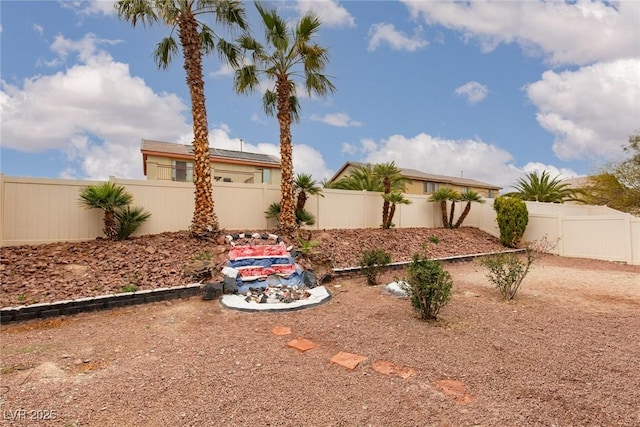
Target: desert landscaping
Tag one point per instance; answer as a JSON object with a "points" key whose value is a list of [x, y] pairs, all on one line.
{"points": [[562, 353]]}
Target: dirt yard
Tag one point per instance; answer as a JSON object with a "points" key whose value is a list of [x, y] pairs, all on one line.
{"points": [[564, 353]]}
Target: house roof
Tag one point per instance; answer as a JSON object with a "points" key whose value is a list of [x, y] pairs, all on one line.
{"points": [[422, 176], [170, 149]]}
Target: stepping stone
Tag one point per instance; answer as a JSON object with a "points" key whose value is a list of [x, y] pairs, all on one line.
{"points": [[348, 360], [386, 367], [455, 389], [301, 344], [281, 330]]}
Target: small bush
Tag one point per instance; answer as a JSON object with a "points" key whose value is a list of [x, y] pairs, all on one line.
{"points": [[129, 220], [512, 216], [434, 239], [129, 288], [305, 246], [203, 256], [508, 270], [372, 263], [428, 285]]}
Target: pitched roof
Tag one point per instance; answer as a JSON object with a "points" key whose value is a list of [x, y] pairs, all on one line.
{"points": [[422, 176], [159, 147]]}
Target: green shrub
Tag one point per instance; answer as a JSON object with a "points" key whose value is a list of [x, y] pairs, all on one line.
{"points": [[302, 216], [203, 256], [508, 270], [305, 246], [428, 285], [512, 216], [129, 288], [129, 219], [434, 239], [372, 263]]}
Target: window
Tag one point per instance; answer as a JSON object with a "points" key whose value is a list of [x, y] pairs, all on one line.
{"points": [[266, 176], [490, 194], [181, 171], [431, 187]]}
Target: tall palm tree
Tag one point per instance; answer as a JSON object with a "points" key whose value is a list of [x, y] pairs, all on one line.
{"points": [[290, 54], [542, 188], [110, 198], [196, 39], [468, 196], [442, 196], [394, 198], [392, 181], [306, 186]]}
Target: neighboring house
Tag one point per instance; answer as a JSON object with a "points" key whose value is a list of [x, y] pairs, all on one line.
{"points": [[174, 162], [426, 183]]}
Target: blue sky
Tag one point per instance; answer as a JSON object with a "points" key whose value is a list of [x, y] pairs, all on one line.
{"points": [[487, 89]]}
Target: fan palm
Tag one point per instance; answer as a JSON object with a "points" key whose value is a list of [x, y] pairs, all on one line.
{"points": [[392, 181], [542, 188], [110, 198], [290, 53], [394, 198], [442, 196], [305, 185], [196, 39], [468, 196], [359, 178]]}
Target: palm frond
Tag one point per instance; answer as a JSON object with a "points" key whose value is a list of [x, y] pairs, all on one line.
{"points": [[165, 51]]}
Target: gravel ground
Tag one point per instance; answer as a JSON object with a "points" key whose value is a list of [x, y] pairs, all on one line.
{"points": [[561, 354], [59, 271]]}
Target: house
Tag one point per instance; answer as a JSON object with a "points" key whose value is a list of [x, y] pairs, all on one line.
{"points": [[174, 162], [426, 183]]}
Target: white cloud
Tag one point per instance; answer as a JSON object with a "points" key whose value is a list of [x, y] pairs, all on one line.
{"points": [[330, 12], [397, 40], [591, 111], [554, 171], [473, 91], [580, 32], [337, 119], [473, 159], [225, 70], [38, 29], [90, 7], [95, 111], [348, 148]]}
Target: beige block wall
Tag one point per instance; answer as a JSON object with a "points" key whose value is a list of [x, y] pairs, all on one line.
{"points": [[36, 211]]}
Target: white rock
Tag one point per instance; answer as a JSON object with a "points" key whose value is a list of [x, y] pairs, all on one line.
{"points": [[397, 288]]}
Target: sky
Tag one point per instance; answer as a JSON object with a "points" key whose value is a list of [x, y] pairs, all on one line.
{"points": [[487, 90]]}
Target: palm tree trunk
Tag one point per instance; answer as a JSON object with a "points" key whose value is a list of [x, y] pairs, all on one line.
{"points": [[204, 220], [465, 212], [302, 200], [385, 205], [287, 221], [443, 212], [392, 212], [453, 208], [110, 229]]}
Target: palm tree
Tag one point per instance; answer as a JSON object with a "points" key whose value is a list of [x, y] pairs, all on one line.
{"points": [[360, 178], [196, 39], [393, 199], [306, 186], [468, 196], [110, 198], [443, 195], [542, 188], [392, 181], [291, 54]]}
